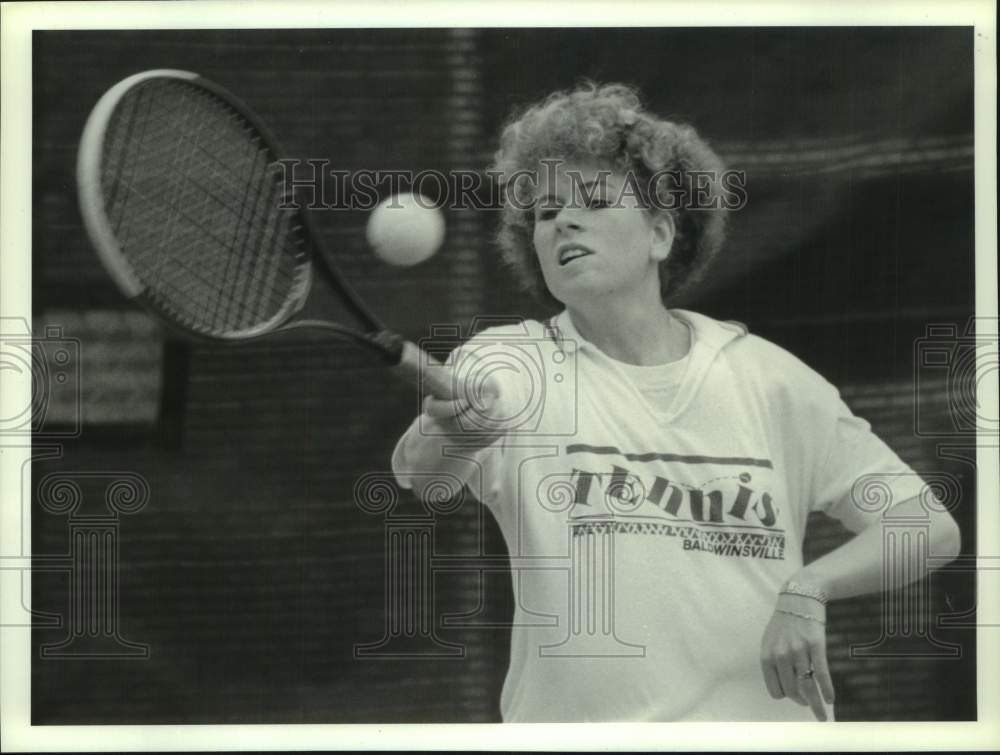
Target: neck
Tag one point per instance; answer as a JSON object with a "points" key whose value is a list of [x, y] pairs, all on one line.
{"points": [[633, 331]]}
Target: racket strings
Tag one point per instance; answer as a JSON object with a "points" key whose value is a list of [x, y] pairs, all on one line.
{"points": [[193, 197], [247, 154], [260, 231], [171, 239]]}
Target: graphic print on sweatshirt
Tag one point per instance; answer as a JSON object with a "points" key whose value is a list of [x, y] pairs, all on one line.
{"points": [[724, 506]]}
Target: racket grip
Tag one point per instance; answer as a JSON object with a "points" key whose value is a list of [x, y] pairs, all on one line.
{"points": [[419, 368]]}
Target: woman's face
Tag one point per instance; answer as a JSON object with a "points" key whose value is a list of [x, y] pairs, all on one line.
{"points": [[592, 236]]}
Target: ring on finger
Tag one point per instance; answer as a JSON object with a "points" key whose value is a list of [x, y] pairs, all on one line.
{"points": [[807, 674]]}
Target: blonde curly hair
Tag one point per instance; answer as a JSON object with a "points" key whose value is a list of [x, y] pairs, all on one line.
{"points": [[608, 122]]}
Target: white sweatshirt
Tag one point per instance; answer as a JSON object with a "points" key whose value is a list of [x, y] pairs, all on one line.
{"points": [[648, 543]]}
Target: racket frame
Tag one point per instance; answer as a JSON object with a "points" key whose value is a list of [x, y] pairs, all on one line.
{"points": [[95, 219], [405, 358]]}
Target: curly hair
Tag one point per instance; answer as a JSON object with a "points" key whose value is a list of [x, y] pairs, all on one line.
{"points": [[608, 122]]}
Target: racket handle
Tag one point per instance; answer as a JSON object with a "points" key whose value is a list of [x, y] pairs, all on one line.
{"points": [[419, 368]]}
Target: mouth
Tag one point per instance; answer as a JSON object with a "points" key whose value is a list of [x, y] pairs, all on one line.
{"points": [[570, 252]]}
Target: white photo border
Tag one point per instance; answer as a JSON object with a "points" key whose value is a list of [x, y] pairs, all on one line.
{"points": [[18, 22]]}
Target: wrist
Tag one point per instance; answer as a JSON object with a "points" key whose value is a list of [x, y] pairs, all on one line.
{"points": [[797, 605], [805, 585]]}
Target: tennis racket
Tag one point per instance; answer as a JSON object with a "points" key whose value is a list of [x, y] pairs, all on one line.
{"points": [[183, 199]]}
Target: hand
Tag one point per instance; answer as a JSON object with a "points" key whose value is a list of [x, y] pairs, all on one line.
{"points": [[471, 417], [793, 654], [436, 447]]}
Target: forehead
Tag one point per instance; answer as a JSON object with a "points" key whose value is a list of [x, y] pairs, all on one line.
{"points": [[558, 176]]}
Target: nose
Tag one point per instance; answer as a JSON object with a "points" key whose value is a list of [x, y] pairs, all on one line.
{"points": [[567, 220]]}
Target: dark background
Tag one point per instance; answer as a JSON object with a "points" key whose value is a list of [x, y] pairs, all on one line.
{"points": [[251, 573]]}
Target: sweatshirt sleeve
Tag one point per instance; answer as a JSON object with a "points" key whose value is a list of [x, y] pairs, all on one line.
{"points": [[857, 476], [835, 462]]}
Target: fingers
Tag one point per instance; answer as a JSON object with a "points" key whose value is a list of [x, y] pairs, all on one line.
{"points": [[793, 655], [474, 413], [772, 681], [464, 418], [445, 408], [796, 667], [801, 675], [810, 691], [448, 414], [815, 682], [795, 678], [453, 408], [823, 677], [786, 666]]}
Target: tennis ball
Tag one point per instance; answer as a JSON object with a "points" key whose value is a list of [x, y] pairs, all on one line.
{"points": [[405, 229]]}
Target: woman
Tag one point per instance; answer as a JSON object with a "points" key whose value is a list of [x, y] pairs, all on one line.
{"points": [[651, 468]]}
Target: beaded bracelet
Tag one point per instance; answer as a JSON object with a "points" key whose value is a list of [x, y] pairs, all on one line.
{"points": [[801, 615], [794, 588]]}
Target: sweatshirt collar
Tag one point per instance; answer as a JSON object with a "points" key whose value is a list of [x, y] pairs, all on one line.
{"points": [[713, 333], [708, 338], [567, 338]]}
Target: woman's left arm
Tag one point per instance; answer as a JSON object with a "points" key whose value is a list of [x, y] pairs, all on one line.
{"points": [[793, 653], [857, 567]]}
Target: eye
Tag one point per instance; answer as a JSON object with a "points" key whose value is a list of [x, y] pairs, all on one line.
{"points": [[546, 213]]}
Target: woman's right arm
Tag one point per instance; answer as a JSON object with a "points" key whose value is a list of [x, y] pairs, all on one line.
{"points": [[444, 443]]}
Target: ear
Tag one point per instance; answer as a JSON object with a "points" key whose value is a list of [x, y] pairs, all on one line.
{"points": [[663, 231]]}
